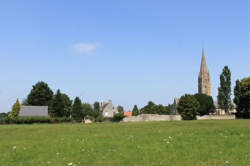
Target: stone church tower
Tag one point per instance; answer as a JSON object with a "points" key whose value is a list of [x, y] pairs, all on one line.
{"points": [[204, 85]]}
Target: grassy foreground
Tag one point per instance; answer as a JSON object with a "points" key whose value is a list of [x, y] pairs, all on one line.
{"points": [[175, 143]]}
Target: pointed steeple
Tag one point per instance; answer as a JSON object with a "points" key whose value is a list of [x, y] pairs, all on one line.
{"points": [[204, 85], [203, 68]]}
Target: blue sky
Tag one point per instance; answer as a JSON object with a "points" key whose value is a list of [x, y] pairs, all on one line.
{"points": [[129, 51]]}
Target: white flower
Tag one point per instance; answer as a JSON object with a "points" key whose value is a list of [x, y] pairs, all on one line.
{"points": [[226, 162], [168, 142], [70, 163], [57, 153], [170, 137], [14, 147], [48, 162]]}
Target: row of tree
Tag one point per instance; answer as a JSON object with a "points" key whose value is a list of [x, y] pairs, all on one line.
{"points": [[199, 104]]}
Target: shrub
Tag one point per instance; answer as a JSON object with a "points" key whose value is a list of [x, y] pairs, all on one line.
{"points": [[118, 117]]}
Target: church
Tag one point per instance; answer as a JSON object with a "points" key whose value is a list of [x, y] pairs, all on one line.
{"points": [[204, 87]]}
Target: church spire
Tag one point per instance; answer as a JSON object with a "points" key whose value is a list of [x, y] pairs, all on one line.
{"points": [[203, 68], [204, 85]]}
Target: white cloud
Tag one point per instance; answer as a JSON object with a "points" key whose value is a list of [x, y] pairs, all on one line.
{"points": [[85, 48]]}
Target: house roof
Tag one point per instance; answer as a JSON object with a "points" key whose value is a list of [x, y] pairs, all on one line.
{"points": [[34, 111], [127, 113]]}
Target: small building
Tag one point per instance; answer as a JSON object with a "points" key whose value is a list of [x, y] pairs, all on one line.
{"points": [[108, 109], [219, 111], [127, 113], [34, 111]]}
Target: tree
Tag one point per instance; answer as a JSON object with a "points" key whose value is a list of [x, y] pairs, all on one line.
{"points": [[96, 111], [120, 109], [87, 110], [206, 104], [68, 104], [224, 91], [135, 111], [77, 110], [58, 106], [15, 110], [40, 95], [188, 107], [149, 108], [242, 97]]}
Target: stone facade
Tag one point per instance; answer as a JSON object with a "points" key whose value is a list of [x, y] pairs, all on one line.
{"points": [[204, 85], [207, 117], [108, 109]]}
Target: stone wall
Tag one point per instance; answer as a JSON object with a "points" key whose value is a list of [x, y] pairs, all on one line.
{"points": [[155, 117], [151, 117], [205, 117]]}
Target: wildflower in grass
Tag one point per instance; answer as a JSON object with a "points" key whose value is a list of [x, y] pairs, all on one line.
{"points": [[168, 142], [170, 137], [70, 164], [14, 147], [57, 153], [49, 162], [226, 162]]}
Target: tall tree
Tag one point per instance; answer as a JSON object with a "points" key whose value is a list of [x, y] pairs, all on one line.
{"points": [[206, 104], [15, 110], [188, 107], [40, 95], [58, 106], [242, 97], [96, 111], [77, 110], [135, 111], [68, 104], [224, 91]]}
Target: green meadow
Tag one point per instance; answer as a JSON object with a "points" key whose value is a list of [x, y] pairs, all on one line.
{"points": [[173, 143]]}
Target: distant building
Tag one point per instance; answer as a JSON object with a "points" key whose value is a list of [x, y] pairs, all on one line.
{"points": [[219, 111], [127, 113], [108, 109], [34, 111]]}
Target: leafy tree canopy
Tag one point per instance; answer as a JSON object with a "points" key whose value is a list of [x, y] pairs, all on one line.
{"points": [[77, 110], [135, 111], [188, 107], [206, 104], [242, 97], [224, 91], [58, 105], [40, 95]]}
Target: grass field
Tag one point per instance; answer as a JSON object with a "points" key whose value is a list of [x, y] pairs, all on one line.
{"points": [[175, 143]]}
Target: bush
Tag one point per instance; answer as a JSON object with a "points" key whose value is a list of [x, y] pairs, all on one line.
{"points": [[118, 117], [100, 118]]}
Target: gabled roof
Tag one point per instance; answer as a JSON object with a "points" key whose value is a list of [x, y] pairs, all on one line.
{"points": [[34, 111]]}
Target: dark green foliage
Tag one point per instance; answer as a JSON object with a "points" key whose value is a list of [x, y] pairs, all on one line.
{"points": [[40, 95], [120, 109], [96, 113], [58, 106], [135, 111], [188, 107], [33, 119], [100, 118], [152, 108], [87, 110], [242, 97], [118, 117], [206, 104], [77, 110], [3, 115], [224, 91], [67, 104]]}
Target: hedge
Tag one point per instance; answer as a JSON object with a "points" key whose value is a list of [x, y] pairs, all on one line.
{"points": [[33, 119]]}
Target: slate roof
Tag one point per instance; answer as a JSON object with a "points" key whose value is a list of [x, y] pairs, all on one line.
{"points": [[34, 111]]}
